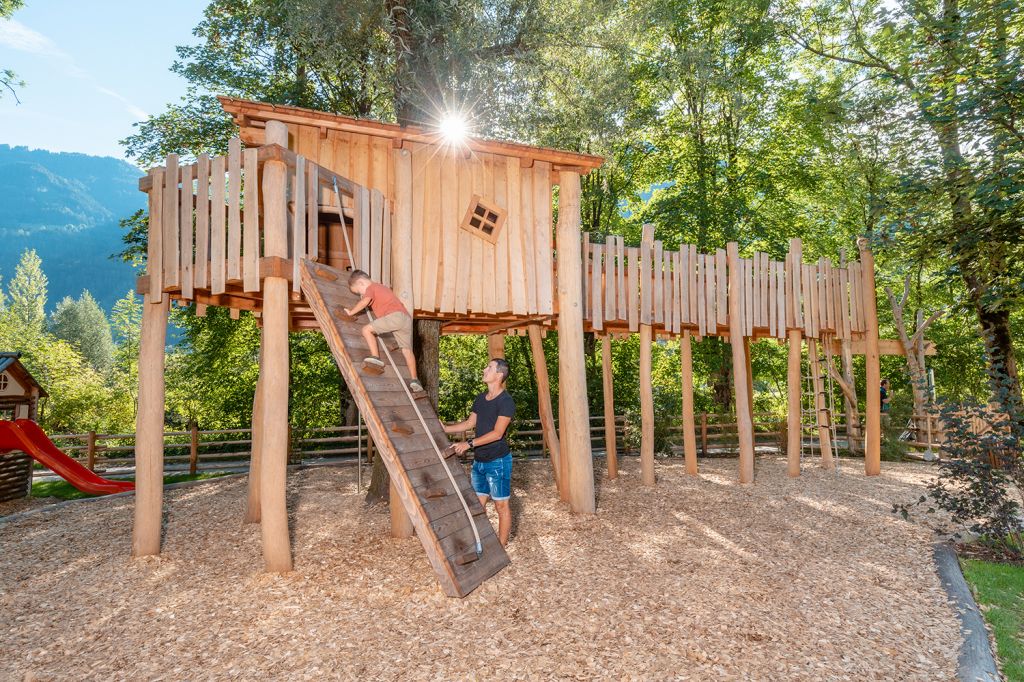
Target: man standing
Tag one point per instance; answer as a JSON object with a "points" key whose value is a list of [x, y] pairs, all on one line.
{"points": [[492, 458]]}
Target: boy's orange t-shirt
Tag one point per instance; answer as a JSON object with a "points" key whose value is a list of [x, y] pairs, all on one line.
{"points": [[383, 301]]}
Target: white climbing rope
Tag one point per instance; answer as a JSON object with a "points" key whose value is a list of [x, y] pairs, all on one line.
{"points": [[408, 393]]}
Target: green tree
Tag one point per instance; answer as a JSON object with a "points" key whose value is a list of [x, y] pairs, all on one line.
{"points": [[27, 291], [82, 323], [8, 79], [126, 318]]}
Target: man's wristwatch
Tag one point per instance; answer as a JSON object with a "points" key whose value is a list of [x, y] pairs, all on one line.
{"points": [[470, 441]]}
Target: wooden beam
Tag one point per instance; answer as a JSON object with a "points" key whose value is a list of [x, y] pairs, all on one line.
{"points": [[149, 429], [547, 415], [571, 366], [873, 406], [793, 406], [647, 476], [274, 372], [689, 427], [745, 427], [608, 383]]}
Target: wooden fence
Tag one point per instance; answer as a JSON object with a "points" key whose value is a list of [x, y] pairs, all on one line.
{"points": [[212, 450]]}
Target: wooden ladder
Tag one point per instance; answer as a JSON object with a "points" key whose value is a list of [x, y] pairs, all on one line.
{"points": [[407, 450]]}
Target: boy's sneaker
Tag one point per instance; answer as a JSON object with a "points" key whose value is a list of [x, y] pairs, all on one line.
{"points": [[415, 386], [373, 365]]}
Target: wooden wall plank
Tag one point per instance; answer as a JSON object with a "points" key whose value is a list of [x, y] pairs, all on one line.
{"points": [[451, 216], [543, 236], [796, 250], [620, 296], [633, 287], [251, 222], [765, 277], [608, 283], [201, 273], [646, 274], [380, 164], [377, 234], [597, 288], [170, 222], [298, 239], [502, 298], [710, 295], [185, 223], [670, 289], [657, 283], [420, 155], [234, 251], [432, 232], [312, 211], [755, 298], [691, 276], [585, 284], [750, 303], [464, 264], [218, 231], [529, 233], [517, 271], [702, 310], [359, 159], [154, 242], [721, 288]]}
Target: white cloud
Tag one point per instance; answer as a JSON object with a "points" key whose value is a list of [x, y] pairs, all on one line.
{"points": [[132, 109], [18, 36]]}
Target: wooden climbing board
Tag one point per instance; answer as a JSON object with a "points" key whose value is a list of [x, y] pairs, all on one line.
{"points": [[418, 473]]}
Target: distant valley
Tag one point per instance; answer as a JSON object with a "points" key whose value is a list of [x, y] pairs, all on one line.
{"points": [[67, 206]]}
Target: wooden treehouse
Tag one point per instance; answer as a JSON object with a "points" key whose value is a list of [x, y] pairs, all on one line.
{"points": [[464, 233]]}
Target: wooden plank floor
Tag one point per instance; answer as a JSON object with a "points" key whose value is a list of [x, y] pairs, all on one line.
{"points": [[406, 447]]}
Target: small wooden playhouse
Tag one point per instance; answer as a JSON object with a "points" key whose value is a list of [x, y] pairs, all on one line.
{"points": [[464, 233]]}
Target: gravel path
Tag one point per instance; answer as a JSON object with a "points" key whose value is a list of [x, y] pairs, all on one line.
{"points": [[807, 579]]}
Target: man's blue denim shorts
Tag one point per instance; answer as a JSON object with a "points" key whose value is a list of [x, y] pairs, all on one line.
{"points": [[493, 478]]}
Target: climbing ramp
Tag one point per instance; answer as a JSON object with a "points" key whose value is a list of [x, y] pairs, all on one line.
{"points": [[449, 520]]}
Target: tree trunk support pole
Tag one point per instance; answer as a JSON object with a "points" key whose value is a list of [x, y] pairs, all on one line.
{"points": [[873, 400], [274, 370], [572, 377]]}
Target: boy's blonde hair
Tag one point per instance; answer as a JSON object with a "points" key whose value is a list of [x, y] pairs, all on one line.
{"points": [[357, 275]]}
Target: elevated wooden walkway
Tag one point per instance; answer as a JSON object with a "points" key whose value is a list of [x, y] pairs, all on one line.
{"points": [[422, 477]]}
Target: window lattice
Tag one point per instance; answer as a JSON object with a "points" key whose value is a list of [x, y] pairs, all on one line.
{"points": [[483, 219]]}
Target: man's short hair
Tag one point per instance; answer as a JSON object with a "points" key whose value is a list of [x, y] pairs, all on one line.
{"points": [[501, 366], [357, 275]]}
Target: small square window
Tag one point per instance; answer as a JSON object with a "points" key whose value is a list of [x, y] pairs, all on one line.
{"points": [[484, 219]]}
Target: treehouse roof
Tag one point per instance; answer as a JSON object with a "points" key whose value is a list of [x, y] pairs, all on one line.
{"points": [[11, 362], [251, 117]]}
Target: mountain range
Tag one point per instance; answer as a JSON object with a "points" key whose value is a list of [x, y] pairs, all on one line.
{"points": [[67, 207]]}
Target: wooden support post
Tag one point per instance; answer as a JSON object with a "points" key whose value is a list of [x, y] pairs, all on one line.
{"points": [[274, 370], [149, 429], [608, 383], [193, 449], [750, 376], [793, 421], [744, 421], [572, 376], [90, 450], [253, 504], [689, 433], [822, 417], [646, 339], [873, 418], [401, 230], [704, 434], [496, 345], [547, 415], [401, 524]]}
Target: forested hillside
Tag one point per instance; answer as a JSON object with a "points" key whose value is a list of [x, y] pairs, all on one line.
{"points": [[68, 207]]}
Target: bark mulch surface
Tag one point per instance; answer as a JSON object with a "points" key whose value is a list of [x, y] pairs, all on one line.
{"points": [[697, 578]]}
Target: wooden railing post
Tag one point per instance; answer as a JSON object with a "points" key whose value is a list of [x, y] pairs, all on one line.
{"points": [[704, 434], [193, 450], [90, 450]]}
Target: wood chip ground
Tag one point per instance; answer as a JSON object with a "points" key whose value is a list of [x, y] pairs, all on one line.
{"points": [[696, 579]]}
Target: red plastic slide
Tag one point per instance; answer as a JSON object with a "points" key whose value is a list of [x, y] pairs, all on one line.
{"points": [[25, 435]]}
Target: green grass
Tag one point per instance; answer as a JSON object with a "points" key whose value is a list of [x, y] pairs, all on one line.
{"points": [[65, 491], [999, 589]]}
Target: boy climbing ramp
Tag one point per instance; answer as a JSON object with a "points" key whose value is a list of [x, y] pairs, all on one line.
{"points": [[391, 316]]}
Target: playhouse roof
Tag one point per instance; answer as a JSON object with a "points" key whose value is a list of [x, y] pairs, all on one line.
{"points": [[251, 118], [11, 362]]}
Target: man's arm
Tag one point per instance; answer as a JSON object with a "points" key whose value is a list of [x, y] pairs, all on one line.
{"points": [[358, 307], [496, 434], [461, 426]]}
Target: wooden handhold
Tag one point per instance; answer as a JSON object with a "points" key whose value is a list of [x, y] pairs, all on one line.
{"points": [[467, 558], [401, 429], [339, 313], [434, 493], [326, 274], [372, 370]]}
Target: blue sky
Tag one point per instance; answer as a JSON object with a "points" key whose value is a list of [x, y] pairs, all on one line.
{"points": [[91, 70]]}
